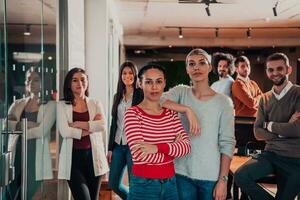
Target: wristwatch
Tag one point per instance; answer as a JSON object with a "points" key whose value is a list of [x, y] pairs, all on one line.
{"points": [[265, 125], [223, 178]]}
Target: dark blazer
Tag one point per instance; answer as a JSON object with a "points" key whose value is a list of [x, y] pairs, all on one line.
{"points": [[137, 98]]}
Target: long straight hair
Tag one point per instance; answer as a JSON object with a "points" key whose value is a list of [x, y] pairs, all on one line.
{"points": [[68, 94], [121, 86]]}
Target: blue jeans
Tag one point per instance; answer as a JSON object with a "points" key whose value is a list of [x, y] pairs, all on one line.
{"points": [[121, 157], [152, 189], [193, 189]]}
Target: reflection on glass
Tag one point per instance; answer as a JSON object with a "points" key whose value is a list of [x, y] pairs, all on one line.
{"points": [[40, 114], [2, 92]]}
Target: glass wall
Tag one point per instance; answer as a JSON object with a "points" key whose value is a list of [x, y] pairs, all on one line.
{"points": [[28, 91]]}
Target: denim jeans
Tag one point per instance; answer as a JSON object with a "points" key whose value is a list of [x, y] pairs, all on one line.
{"points": [[152, 189], [193, 189], [121, 157]]}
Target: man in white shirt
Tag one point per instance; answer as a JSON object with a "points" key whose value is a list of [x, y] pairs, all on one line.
{"points": [[224, 67]]}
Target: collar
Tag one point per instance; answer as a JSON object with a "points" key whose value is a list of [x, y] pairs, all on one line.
{"points": [[283, 92], [243, 79]]}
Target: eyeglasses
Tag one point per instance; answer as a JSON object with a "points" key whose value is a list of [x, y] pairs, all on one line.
{"points": [[278, 69], [193, 64]]}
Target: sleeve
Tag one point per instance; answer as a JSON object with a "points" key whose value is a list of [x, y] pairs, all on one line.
{"points": [[241, 92], [288, 129], [173, 94], [98, 125], [259, 132], [179, 148], [133, 134], [63, 124], [12, 120], [226, 129], [48, 119]]}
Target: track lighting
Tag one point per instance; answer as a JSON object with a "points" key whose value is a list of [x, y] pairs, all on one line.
{"points": [[180, 33], [248, 32], [207, 10], [217, 32], [275, 9], [27, 30]]}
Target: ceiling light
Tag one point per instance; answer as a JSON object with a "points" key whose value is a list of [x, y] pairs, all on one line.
{"points": [[207, 10], [180, 33], [27, 30], [248, 32], [217, 32]]}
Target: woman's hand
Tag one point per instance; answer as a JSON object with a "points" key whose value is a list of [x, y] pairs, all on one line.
{"points": [[193, 122], [220, 190], [178, 137], [144, 148], [109, 154], [85, 133], [80, 124], [97, 117]]}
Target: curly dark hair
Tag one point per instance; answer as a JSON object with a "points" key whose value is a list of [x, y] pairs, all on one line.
{"points": [[217, 57]]}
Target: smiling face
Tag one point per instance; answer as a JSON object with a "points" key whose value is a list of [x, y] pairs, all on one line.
{"points": [[153, 84], [127, 76], [277, 71], [198, 67], [79, 83]]}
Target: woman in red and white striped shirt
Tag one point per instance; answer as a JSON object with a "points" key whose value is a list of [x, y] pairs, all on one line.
{"points": [[155, 137]]}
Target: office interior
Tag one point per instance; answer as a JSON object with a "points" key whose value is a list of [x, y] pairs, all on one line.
{"points": [[98, 35]]}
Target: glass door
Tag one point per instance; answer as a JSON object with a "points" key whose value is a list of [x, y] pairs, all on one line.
{"points": [[28, 99]]}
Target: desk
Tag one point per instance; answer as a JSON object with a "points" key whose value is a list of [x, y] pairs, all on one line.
{"points": [[105, 192], [237, 162]]}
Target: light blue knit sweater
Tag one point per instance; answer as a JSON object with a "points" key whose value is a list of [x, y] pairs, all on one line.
{"points": [[216, 119]]}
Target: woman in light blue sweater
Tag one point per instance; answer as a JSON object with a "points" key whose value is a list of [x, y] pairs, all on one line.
{"points": [[203, 174]]}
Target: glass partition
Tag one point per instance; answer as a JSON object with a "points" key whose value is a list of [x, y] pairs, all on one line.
{"points": [[28, 91]]}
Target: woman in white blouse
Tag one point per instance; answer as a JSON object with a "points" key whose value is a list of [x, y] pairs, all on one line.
{"points": [[81, 123]]}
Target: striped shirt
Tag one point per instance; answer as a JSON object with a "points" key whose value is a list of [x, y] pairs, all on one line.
{"points": [[160, 130]]}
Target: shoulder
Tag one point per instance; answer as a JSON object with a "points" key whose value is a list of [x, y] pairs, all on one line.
{"points": [[21, 101], [237, 82], [224, 100], [266, 97], [132, 110], [51, 104], [63, 104], [296, 88], [253, 83], [180, 88], [236, 86]]}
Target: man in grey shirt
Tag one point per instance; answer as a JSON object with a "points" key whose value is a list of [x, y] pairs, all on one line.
{"points": [[278, 124], [223, 66]]}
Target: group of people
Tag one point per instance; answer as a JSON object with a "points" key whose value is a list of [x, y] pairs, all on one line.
{"points": [[176, 144]]}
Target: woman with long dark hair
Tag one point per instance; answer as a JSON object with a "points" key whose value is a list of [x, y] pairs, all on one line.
{"points": [[155, 137], [118, 152], [81, 123]]}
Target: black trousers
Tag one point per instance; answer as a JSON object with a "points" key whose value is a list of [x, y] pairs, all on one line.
{"points": [[286, 169], [83, 183]]}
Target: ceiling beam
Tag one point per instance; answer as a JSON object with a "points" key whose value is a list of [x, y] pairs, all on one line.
{"points": [[137, 40]]}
